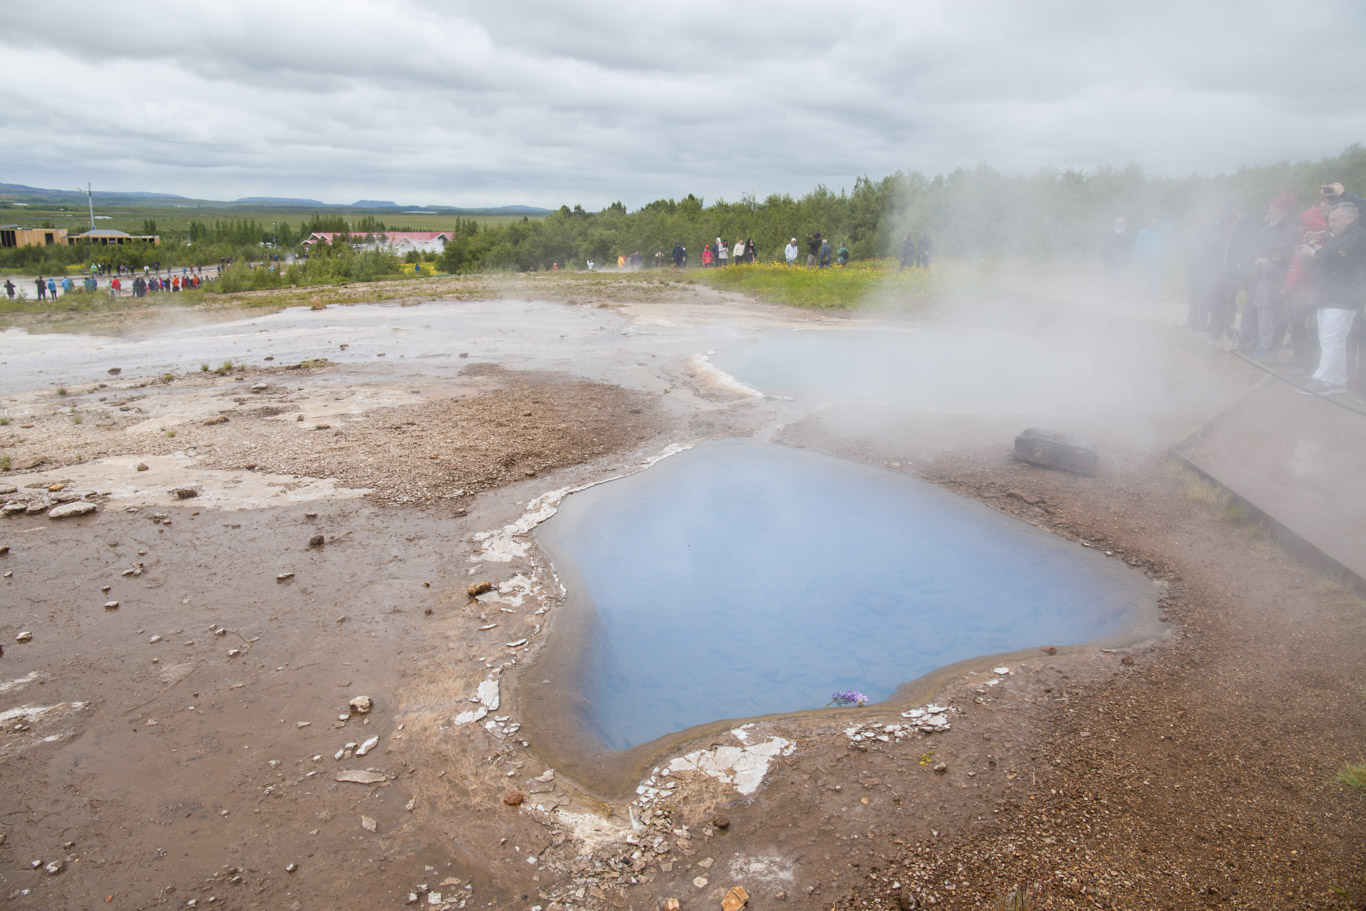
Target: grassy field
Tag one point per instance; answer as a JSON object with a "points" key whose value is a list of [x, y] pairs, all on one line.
{"points": [[862, 286], [871, 283]]}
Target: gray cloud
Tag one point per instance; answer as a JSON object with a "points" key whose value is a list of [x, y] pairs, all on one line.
{"points": [[533, 102]]}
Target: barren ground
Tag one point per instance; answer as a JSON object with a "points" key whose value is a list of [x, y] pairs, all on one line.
{"points": [[184, 746]]}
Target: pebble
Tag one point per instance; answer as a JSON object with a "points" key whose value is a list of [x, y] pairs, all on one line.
{"points": [[111, 605], [367, 746], [25, 636], [361, 705], [368, 824], [284, 577]]}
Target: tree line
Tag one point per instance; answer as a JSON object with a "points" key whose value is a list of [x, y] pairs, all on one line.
{"points": [[975, 212]]}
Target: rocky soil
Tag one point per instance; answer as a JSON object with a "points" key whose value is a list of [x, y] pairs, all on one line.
{"points": [[265, 672]]}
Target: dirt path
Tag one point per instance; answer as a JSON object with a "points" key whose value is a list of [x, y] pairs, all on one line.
{"points": [[195, 742]]}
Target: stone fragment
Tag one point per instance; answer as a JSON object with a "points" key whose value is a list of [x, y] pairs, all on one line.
{"points": [[700, 882], [67, 510], [720, 821], [220, 419], [317, 541], [368, 823], [361, 705], [291, 867], [25, 636], [1049, 650], [115, 371], [940, 768], [185, 493], [514, 798], [671, 904], [735, 899], [367, 746], [142, 466], [479, 588], [284, 577], [111, 605], [362, 776], [55, 867]]}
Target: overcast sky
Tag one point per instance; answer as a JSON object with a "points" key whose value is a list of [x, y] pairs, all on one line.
{"points": [[545, 103]]}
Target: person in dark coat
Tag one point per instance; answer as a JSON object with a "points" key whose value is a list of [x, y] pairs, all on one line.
{"points": [[1219, 255], [1338, 270], [1265, 318]]}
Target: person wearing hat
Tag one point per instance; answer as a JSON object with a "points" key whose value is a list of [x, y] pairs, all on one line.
{"points": [[790, 252], [1338, 270], [1268, 260]]}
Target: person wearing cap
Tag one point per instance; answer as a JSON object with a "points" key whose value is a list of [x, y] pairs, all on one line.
{"points": [[678, 254], [1334, 193], [1268, 260], [1338, 269], [790, 252]]}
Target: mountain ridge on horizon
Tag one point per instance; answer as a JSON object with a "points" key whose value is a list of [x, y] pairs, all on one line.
{"points": [[14, 192]]}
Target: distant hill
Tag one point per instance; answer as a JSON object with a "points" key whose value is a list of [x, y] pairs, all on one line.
{"points": [[15, 192], [277, 201]]}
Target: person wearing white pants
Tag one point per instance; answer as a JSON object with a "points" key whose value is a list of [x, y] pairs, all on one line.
{"points": [[1334, 327], [1338, 269]]}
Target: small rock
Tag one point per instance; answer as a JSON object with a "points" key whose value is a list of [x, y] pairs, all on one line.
{"points": [[940, 768], [55, 867], [671, 904], [479, 588], [142, 466], [368, 823], [259, 387], [514, 798], [547, 776], [720, 822], [361, 776], [220, 419], [25, 636], [4, 550], [700, 882], [1049, 649], [234, 652], [291, 867], [67, 510], [185, 493], [735, 899], [367, 746], [111, 605], [284, 577], [115, 371], [317, 541], [361, 705], [54, 488]]}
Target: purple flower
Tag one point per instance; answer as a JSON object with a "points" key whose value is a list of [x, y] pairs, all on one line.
{"points": [[850, 697]]}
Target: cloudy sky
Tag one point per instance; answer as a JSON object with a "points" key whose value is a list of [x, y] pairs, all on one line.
{"points": [[543, 103]]}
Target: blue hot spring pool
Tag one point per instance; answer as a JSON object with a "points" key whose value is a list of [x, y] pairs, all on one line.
{"points": [[741, 578]]}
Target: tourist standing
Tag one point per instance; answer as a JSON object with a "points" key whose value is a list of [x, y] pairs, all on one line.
{"points": [[790, 252], [1338, 269]]}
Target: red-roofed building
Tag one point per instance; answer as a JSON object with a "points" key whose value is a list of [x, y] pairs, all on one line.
{"points": [[394, 241]]}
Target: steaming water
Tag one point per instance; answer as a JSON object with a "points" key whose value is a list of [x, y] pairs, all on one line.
{"points": [[741, 579]]}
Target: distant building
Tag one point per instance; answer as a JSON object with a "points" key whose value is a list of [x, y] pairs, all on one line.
{"points": [[105, 237], [393, 241], [15, 236]]}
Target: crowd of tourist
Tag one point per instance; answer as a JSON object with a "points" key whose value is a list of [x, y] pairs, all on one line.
{"points": [[1284, 287], [115, 280]]}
